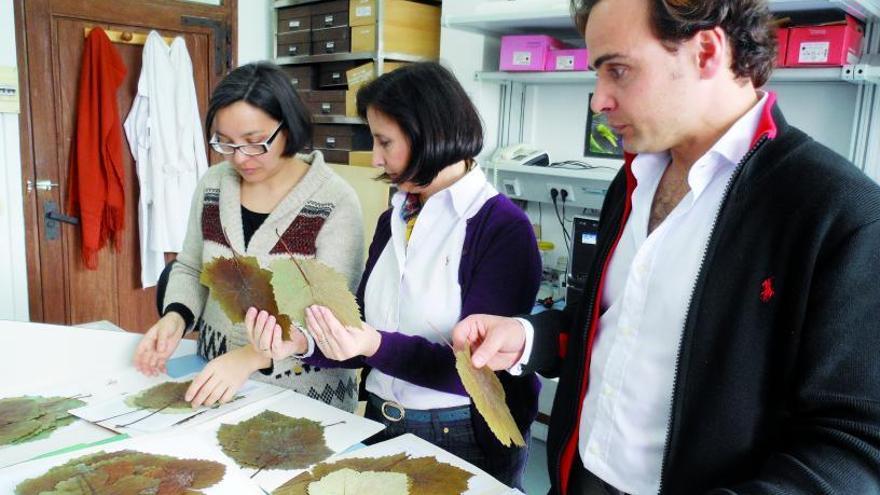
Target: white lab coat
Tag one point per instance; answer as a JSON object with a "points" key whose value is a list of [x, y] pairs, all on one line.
{"points": [[164, 132]]}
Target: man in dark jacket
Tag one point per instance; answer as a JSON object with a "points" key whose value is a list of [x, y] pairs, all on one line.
{"points": [[727, 341]]}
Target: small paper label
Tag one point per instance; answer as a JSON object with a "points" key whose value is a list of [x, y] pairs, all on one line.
{"points": [[565, 62], [814, 52], [522, 58], [363, 11], [293, 24]]}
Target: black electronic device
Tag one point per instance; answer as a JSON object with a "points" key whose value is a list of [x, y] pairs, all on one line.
{"points": [[584, 231]]}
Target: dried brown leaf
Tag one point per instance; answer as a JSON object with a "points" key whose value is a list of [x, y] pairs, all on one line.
{"points": [[167, 396], [271, 440], [427, 474], [489, 398], [30, 417], [300, 283], [239, 283]]}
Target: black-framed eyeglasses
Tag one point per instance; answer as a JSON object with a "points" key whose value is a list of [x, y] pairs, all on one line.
{"points": [[249, 149]]}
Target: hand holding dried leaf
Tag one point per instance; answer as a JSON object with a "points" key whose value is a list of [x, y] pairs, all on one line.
{"points": [[271, 440], [489, 398], [239, 283], [300, 283], [126, 472]]}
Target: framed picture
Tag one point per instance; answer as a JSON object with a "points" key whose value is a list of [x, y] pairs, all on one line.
{"points": [[601, 140]]}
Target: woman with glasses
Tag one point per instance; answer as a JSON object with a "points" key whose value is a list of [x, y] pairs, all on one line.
{"points": [[264, 201], [449, 247]]}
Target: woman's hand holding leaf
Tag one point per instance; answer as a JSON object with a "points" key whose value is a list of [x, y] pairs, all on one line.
{"points": [[264, 334], [338, 341]]}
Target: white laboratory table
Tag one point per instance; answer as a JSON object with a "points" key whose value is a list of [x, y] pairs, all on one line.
{"points": [[34, 356]]}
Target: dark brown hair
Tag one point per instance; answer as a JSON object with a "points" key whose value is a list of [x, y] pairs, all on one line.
{"points": [[433, 111], [747, 23]]}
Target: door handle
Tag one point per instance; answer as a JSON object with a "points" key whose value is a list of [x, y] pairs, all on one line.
{"points": [[53, 219]]}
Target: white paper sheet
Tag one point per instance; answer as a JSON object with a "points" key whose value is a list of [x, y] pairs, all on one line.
{"points": [[189, 445], [480, 484], [338, 437], [118, 416]]}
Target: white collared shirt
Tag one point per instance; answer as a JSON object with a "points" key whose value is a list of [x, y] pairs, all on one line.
{"points": [[414, 286], [645, 301]]}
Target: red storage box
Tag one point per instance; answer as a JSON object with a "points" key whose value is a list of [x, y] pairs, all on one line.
{"points": [[526, 52], [823, 46]]}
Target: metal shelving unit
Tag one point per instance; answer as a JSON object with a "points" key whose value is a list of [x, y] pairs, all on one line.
{"points": [[341, 57], [851, 73]]}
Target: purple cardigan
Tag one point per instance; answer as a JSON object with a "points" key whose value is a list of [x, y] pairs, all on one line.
{"points": [[499, 274]]}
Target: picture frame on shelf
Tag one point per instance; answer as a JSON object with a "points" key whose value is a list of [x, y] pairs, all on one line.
{"points": [[601, 140]]}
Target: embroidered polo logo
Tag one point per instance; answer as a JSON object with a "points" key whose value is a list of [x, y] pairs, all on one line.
{"points": [[767, 290]]}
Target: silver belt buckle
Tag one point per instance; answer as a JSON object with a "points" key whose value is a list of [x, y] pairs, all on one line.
{"points": [[394, 405]]}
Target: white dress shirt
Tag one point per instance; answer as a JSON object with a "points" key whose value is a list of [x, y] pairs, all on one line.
{"points": [[644, 305], [414, 286]]}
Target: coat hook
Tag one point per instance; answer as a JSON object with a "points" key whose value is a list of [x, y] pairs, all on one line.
{"points": [[126, 36]]}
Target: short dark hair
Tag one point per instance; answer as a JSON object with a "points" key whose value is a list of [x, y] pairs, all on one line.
{"points": [[433, 111], [748, 24], [265, 86]]}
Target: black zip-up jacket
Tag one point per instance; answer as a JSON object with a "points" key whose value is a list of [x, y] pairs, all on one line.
{"points": [[777, 387]]}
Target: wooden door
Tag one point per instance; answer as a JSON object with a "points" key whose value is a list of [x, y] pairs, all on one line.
{"points": [[50, 44]]}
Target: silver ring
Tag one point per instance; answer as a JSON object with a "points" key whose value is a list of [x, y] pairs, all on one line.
{"points": [[265, 350]]}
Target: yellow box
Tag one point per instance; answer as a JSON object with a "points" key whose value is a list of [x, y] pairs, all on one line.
{"points": [[361, 158], [400, 12], [397, 39], [362, 74], [351, 103]]}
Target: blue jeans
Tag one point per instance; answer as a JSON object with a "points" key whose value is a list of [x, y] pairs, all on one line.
{"points": [[457, 438]]}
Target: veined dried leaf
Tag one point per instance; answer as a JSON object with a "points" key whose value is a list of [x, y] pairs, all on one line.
{"points": [[426, 474], [239, 283], [126, 472], [488, 395], [30, 417], [301, 283], [167, 396], [348, 481], [271, 440]]}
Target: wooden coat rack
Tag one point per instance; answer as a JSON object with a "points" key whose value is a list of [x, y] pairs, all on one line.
{"points": [[127, 37]]}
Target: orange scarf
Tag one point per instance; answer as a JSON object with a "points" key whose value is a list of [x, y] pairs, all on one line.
{"points": [[96, 176]]}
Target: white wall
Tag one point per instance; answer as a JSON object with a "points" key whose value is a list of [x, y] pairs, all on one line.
{"points": [[254, 43], [13, 261], [254, 30]]}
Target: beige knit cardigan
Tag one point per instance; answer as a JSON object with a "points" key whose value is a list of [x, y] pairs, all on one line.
{"points": [[319, 218]]}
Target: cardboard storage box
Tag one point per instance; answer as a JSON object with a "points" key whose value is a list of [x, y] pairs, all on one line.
{"points": [[334, 74], [326, 102], [294, 19], [343, 137], [825, 46], [397, 39], [294, 44], [400, 12], [361, 158], [330, 14], [362, 74], [300, 76]]}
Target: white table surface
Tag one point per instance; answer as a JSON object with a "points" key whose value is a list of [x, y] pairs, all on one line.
{"points": [[38, 355]]}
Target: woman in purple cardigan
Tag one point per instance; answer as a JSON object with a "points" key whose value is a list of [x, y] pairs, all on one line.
{"points": [[449, 247]]}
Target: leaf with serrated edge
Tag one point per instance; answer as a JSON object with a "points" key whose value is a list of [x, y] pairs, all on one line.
{"points": [[167, 396], [426, 474], [271, 440], [27, 418], [240, 283], [126, 472], [488, 395], [348, 481], [304, 282]]}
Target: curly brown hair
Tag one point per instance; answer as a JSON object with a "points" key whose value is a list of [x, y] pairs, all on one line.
{"points": [[748, 24]]}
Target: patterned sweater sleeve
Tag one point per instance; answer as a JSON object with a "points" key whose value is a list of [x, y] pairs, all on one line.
{"points": [[183, 283]]}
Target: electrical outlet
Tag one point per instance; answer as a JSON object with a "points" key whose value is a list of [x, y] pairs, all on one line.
{"points": [[560, 187]]}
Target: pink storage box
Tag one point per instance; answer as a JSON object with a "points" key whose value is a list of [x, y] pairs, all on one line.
{"points": [[781, 46], [527, 52], [833, 45], [567, 59]]}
